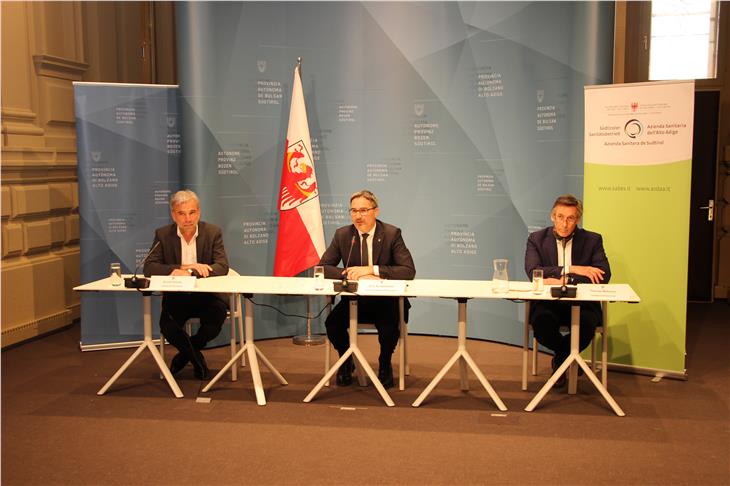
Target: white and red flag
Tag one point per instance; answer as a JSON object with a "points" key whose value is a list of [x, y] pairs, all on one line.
{"points": [[300, 241]]}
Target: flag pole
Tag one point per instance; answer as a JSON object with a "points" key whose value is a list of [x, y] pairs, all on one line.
{"points": [[308, 339]]}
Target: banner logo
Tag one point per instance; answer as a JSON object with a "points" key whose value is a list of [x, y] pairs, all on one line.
{"points": [[540, 95], [633, 128], [261, 65], [298, 182], [418, 109], [96, 156]]}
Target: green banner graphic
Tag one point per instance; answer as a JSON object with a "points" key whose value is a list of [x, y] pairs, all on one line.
{"points": [[637, 191]]}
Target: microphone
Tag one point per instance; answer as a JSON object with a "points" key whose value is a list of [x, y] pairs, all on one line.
{"points": [[564, 290], [135, 282], [344, 285]]}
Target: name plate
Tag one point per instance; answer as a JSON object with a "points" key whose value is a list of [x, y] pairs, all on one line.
{"points": [[366, 286], [172, 282]]}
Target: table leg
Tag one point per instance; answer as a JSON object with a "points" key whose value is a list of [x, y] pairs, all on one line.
{"points": [[465, 359], [573, 361], [253, 353], [148, 344], [357, 354]]}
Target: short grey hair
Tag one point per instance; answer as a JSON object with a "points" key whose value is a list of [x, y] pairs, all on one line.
{"points": [[569, 200], [181, 197], [367, 195]]}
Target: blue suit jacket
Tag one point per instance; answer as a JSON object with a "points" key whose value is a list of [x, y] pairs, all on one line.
{"points": [[542, 252]]}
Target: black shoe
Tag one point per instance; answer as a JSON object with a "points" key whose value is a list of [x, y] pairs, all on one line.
{"points": [[385, 375], [178, 363], [344, 374], [200, 367], [560, 383]]}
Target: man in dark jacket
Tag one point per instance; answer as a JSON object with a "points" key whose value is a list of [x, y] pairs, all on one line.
{"points": [[368, 248], [586, 262], [189, 247]]}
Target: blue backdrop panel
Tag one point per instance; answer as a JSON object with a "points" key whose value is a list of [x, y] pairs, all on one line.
{"points": [[466, 119], [129, 147]]}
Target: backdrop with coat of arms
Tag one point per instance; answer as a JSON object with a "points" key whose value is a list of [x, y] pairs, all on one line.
{"points": [[465, 119]]}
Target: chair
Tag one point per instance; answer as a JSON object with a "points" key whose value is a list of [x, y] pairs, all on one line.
{"points": [[602, 330], [402, 346], [235, 314]]}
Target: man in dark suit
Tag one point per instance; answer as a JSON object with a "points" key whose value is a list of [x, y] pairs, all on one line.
{"points": [[368, 248], [586, 262], [189, 247]]}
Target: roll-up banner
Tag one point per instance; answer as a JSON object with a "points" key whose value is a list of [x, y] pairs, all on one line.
{"points": [[638, 165], [129, 148]]}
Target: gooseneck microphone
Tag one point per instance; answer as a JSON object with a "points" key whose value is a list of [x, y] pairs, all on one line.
{"points": [[564, 290], [135, 282], [345, 285]]}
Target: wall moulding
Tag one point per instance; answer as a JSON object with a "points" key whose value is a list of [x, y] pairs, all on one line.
{"points": [[12, 128], [37, 327], [59, 67], [17, 113]]}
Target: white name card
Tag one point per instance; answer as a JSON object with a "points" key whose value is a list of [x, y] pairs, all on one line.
{"points": [[172, 282], [367, 286]]}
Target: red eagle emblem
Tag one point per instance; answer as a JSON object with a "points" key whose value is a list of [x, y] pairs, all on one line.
{"points": [[298, 181]]}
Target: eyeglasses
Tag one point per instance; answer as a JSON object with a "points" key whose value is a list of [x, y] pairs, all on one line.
{"points": [[563, 219], [361, 211]]}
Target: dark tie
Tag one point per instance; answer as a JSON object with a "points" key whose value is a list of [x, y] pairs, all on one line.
{"points": [[364, 260]]}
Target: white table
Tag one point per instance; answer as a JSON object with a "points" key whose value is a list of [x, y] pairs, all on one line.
{"points": [[459, 290], [585, 293], [463, 290], [231, 285], [105, 285]]}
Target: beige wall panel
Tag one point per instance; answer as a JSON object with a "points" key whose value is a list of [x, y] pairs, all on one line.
{"points": [[72, 228], [58, 230], [48, 292], [12, 239], [60, 196], [57, 98], [17, 92], [58, 29], [71, 276], [31, 199], [26, 157], [36, 236], [6, 204], [74, 196], [17, 295]]}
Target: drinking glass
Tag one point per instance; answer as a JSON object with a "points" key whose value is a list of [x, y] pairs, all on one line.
{"points": [[501, 276], [537, 284], [318, 277], [115, 273]]}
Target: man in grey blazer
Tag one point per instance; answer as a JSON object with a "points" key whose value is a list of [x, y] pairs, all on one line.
{"points": [[368, 248], [189, 247], [586, 262]]}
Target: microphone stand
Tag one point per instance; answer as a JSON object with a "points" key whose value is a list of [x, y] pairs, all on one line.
{"points": [[139, 283], [344, 285], [564, 290]]}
